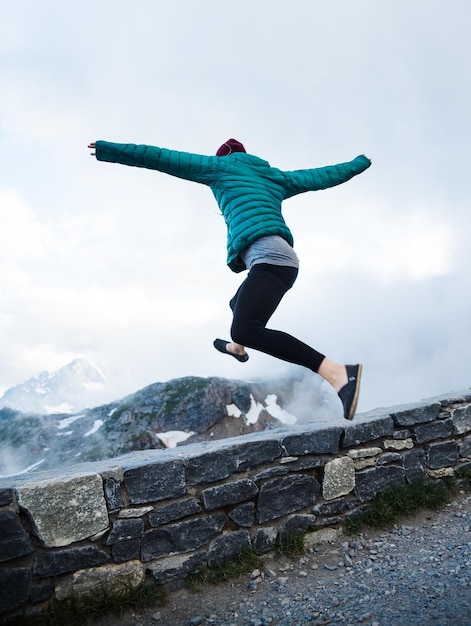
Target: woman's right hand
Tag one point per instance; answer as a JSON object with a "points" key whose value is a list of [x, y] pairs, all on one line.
{"points": [[91, 145]]}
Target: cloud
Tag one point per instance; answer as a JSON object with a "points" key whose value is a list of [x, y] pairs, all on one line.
{"points": [[69, 289], [127, 266], [23, 236], [362, 237]]}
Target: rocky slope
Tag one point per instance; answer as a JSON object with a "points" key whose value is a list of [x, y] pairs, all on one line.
{"points": [[160, 415]]}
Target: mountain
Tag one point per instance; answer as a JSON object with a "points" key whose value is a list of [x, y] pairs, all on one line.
{"points": [[75, 386], [176, 412]]}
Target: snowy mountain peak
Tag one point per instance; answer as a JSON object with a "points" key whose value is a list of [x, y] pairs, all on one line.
{"points": [[75, 386]]}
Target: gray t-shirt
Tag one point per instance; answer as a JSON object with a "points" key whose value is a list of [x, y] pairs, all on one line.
{"points": [[271, 249]]}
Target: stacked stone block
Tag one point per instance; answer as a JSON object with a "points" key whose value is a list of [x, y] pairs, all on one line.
{"points": [[167, 514]]}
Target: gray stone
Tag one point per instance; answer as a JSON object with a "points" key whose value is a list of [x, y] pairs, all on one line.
{"points": [[461, 417], [328, 521], [14, 541], [324, 535], [443, 472], [454, 397], [40, 593], [209, 467], [243, 515], [333, 507], [65, 510], [171, 512], [181, 537], [155, 481], [112, 577], [306, 463], [297, 525], [255, 453], [411, 414], [442, 454], [359, 432], [125, 529], [323, 441], [362, 463], [464, 447], [364, 453], [57, 562], [179, 566], [339, 478], [6, 496], [389, 457], [371, 481], [230, 493], [281, 496], [126, 550], [112, 489], [228, 547], [404, 433], [414, 465], [440, 429], [398, 444], [264, 540], [14, 587], [270, 472], [138, 511]]}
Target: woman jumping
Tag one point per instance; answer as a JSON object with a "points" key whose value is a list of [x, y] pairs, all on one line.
{"points": [[249, 193]]}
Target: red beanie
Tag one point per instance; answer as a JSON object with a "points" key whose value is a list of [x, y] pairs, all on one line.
{"points": [[229, 146]]}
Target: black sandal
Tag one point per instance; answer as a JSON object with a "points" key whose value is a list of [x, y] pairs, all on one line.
{"points": [[350, 392], [221, 346]]}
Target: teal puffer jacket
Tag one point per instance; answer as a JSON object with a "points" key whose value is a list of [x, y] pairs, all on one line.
{"points": [[248, 190]]}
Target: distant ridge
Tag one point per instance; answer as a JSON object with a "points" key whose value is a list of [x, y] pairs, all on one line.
{"points": [[75, 386]]}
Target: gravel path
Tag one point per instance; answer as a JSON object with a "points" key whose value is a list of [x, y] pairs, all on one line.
{"points": [[418, 573]]}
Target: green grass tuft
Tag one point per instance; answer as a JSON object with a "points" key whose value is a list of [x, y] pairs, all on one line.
{"points": [[387, 507], [78, 610], [290, 544], [245, 563], [463, 476]]}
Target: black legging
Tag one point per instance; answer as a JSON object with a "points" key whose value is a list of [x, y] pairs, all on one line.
{"points": [[255, 302]]}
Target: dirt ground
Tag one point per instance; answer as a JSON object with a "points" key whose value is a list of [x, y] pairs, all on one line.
{"points": [[323, 569]]}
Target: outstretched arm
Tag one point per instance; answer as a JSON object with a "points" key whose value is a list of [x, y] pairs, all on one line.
{"points": [[195, 167], [300, 181]]}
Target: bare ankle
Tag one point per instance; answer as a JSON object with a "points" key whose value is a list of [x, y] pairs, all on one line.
{"points": [[333, 373], [235, 348]]}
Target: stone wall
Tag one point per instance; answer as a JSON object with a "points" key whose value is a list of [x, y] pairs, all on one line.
{"points": [[166, 514]]}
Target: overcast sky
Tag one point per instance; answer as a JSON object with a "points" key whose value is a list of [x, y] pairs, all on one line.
{"points": [[126, 267]]}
